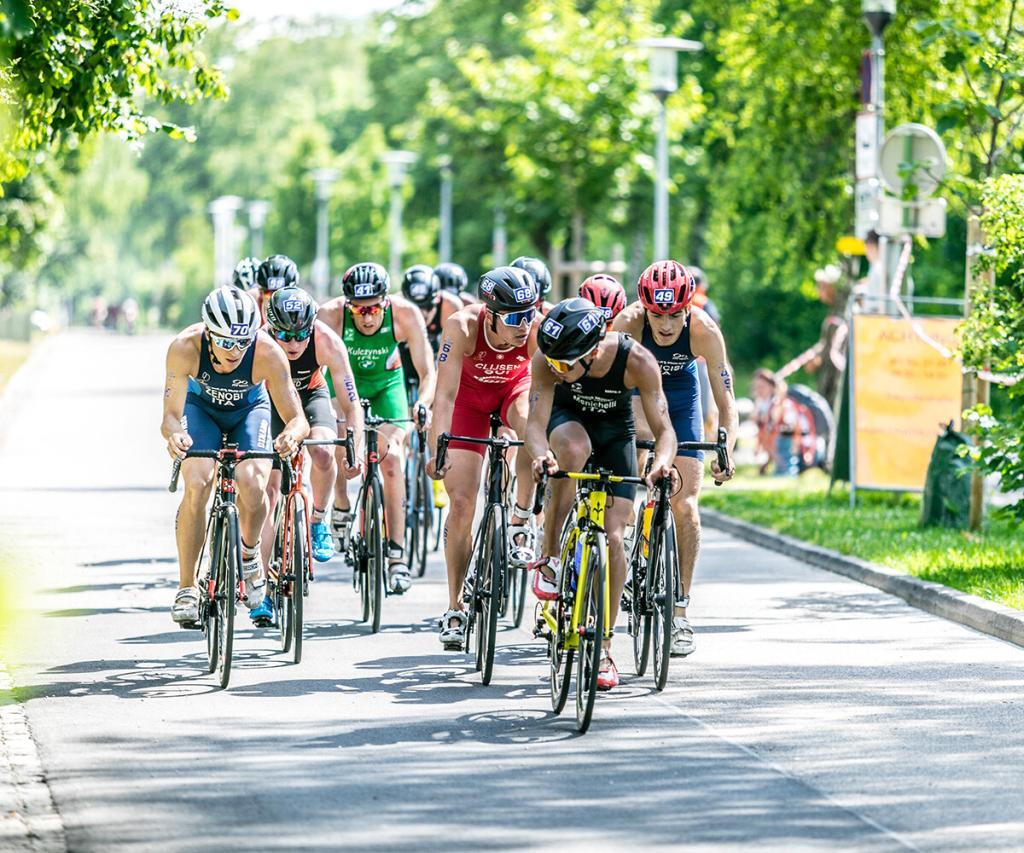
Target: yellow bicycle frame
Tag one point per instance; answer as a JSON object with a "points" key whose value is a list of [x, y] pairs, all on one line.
{"points": [[590, 505]]}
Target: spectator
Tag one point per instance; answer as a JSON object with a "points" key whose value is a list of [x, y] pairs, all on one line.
{"points": [[779, 431], [829, 359]]}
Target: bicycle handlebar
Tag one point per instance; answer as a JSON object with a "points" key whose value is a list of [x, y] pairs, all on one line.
{"points": [[444, 438], [346, 442], [225, 454], [370, 420], [720, 448], [585, 476]]}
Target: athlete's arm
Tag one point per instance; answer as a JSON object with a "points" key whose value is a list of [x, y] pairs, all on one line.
{"points": [[448, 306], [412, 330], [332, 353], [181, 361], [706, 340], [630, 320], [542, 395], [270, 365], [454, 339], [330, 313], [643, 372]]}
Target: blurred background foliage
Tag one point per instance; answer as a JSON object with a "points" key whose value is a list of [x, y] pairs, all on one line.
{"points": [[543, 109]]}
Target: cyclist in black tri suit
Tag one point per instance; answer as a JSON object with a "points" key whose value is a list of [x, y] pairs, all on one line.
{"points": [[215, 394], [275, 272], [452, 278], [310, 346], [580, 409], [423, 289], [541, 274]]}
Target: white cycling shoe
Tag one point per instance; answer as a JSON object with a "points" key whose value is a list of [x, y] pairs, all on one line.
{"points": [[682, 637]]}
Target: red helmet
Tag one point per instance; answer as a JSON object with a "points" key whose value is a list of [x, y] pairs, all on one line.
{"points": [[606, 293], [665, 287]]}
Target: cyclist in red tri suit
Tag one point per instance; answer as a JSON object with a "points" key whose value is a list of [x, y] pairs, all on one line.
{"points": [[483, 368]]}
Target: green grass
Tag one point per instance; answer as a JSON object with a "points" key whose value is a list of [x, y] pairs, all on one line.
{"points": [[12, 355], [883, 529]]}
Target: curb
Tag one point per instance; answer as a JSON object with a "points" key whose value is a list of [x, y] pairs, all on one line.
{"points": [[996, 620]]}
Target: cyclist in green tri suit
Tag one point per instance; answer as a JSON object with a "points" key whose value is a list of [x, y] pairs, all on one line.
{"points": [[372, 323]]}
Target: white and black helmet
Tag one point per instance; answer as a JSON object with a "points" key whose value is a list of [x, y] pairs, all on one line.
{"points": [[231, 313]]}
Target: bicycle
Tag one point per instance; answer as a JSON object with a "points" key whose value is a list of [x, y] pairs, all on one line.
{"points": [[222, 586], [577, 622], [517, 577], [366, 546], [419, 500], [291, 568], [484, 587], [654, 584]]}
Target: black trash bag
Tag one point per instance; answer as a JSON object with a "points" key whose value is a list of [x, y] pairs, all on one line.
{"points": [[947, 486]]}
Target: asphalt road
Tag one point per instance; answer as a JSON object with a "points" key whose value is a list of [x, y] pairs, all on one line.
{"points": [[816, 714]]}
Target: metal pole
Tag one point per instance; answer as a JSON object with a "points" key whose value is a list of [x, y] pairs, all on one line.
{"points": [[257, 218], [499, 242], [975, 389], [395, 230], [661, 187], [444, 249], [321, 271]]}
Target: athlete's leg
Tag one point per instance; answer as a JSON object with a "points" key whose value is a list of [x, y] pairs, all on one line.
{"points": [[251, 479], [273, 495], [325, 467], [687, 518], [340, 483], [392, 448], [463, 485], [571, 445], [515, 415]]}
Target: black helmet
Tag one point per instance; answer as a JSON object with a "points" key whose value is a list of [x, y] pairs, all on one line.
{"points": [[451, 277], [365, 280], [506, 289], [538, 269], [419, 285], [291, 309], [276, 272], [244, 276], [571, 329]]}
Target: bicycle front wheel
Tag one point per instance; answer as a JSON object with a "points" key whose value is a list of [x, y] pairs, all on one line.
{"points": [[373, 541], [560, 656], [208, 593], [639, 597], [278, 584], [226, 592], [299, 572], [489, 580], [663, 566], [591, 630], [424, 518]]}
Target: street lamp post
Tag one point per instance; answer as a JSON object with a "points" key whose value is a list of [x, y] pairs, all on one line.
{"points": [[258, 210], [878, 14], [664, 53], [398, 163], [222, 211], [321, 272], [444, 246]]}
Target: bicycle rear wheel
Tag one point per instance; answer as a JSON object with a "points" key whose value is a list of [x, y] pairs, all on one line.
{"points": [[424, 518], [226, 592], [298, 571], [278, 590], [591, 631], [489, 580], [663, 566], [560, 658], [517, 595], [373, 579]]}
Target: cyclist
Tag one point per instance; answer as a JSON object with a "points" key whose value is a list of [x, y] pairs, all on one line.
{"points": [[244, 275], [275, 272], [541, 274], [422, 288], [606, 293], [310, 347], [580, 409], [667, 323], [453, 279], [215, 391], [483, 368], [372, 324]]}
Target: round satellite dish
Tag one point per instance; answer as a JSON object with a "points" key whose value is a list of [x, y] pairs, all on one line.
{"points": [[912, 157]]}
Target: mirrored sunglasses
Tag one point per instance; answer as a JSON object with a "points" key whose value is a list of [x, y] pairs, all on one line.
{"points": [[300, 335], [517, 318], [231, 343], [367, 310]]}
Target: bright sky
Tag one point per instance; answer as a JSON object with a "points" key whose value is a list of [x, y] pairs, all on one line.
{"points": [[267, 9]]}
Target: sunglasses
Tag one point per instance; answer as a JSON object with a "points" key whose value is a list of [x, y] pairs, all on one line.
{"points": [[300, 335], [367, 310], [562, 367], [517, 318], [231, 343]]}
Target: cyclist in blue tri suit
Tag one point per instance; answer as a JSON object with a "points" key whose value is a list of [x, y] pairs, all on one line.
{"points": [[676, 332], [218, 374]]}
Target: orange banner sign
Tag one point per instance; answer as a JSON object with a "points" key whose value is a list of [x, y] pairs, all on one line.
{"points": [[903, 390]]}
